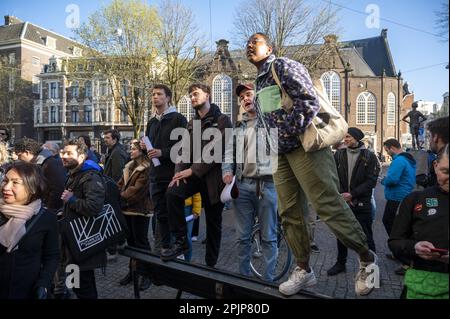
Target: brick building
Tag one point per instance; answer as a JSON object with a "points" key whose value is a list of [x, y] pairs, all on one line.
{"points": [[24, 49]]}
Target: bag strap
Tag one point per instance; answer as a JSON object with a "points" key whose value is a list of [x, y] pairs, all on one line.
{"points": [[277, 79], [30, 226]]}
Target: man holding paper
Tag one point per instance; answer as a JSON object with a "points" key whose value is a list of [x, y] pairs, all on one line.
{"points": [[164, 120]]}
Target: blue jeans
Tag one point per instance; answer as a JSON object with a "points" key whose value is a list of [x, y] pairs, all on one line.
{"points": [[189, 225], [246, 207]]}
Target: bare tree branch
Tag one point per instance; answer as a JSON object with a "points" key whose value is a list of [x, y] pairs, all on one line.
{"points": [[294, 27], [180, 45], [442, 21]]}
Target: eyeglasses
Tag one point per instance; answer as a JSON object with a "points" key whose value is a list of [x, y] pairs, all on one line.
{"points": [[255, 41]]}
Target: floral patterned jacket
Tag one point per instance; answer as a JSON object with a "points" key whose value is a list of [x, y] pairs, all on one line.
{"points": [[297, 83]]}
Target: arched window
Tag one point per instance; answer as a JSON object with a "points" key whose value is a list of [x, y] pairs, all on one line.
{"points": [[185, 107], [366, 108], [391, 109], [222, 93], [332, 84]]}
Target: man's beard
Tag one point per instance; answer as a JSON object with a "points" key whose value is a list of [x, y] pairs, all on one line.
{"points": [[198, 106], [70, 163]]}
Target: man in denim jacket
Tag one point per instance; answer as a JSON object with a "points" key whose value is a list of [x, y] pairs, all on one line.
{"points": [[257, 196], [300, 175]]}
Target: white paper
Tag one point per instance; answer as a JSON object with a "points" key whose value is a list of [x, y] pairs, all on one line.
{"points": [[149, 147]]}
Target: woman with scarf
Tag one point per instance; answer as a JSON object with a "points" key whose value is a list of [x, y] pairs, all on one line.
{"points": [[29, 251]]}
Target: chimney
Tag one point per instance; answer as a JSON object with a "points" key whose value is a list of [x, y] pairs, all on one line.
{"points": [[384, 33], [9, 20]]}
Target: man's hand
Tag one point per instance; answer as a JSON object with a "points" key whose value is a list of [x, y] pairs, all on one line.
{"points": [[227, 179], [66, 195], [347, 197], [423, 251], [183, 175], [142, 145], [154, 153]]}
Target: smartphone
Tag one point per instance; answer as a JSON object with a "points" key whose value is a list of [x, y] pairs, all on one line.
{"points": [[441, 252]]}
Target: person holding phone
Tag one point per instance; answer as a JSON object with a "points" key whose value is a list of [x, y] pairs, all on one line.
{"points": [[420, 234]]}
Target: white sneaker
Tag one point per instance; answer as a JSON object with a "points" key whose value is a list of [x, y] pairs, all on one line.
{"points": [[194, 238], [363, 286], [298, 280]]}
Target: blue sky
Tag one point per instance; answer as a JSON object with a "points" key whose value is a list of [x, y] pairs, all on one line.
{"points": [[420, 56]]}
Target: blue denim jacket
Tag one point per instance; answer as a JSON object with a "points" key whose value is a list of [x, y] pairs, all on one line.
{"points": [[264, 168], [297, 83]]}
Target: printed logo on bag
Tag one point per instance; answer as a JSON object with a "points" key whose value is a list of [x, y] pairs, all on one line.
{"points": [[432, 202], [418, 208], [432, 211], [92, 231]]}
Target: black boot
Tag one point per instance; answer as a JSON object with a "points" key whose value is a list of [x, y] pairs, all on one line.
{"points": [[126, 280], [145, 283], [180, 247], [336, 269]]}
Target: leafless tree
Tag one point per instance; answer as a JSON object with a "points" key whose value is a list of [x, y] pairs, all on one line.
{"points": [[181, 47], [294, 27], [442, 21]]}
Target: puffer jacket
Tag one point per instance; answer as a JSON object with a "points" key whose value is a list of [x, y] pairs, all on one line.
{"points": [[401, 177], [88, 198]]}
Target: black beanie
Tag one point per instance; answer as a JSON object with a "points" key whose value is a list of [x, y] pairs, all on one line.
{"points": [[356, 133]]}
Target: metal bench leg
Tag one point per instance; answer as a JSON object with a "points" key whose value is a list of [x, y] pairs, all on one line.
{"points": [[135, 277]]}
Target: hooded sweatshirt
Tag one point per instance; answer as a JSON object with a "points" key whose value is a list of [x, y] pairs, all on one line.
{"points": [[401, 177]]}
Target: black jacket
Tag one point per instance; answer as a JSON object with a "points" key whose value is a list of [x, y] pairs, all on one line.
{"points": [[158, 132], [115, 162], [363, 180], [210, 173], [87, 185], [422, 216], [55, 175], [35, 261]]}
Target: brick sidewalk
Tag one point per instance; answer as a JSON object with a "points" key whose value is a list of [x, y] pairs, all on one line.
{"points": [[340, 286]]}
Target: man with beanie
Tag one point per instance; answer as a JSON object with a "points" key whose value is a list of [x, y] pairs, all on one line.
{"points": [[358, 170]]}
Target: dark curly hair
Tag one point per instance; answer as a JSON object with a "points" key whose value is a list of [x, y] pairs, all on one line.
{"points": [[27, 144]]}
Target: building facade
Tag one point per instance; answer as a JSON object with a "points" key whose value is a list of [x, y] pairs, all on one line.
{"points": [[26, 48], [74, 101]]}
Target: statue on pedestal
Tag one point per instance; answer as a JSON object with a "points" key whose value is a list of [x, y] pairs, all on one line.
{"points": [[415, 120]]}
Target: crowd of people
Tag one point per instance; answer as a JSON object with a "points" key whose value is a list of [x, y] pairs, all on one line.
{"points": [[42, 184]]}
